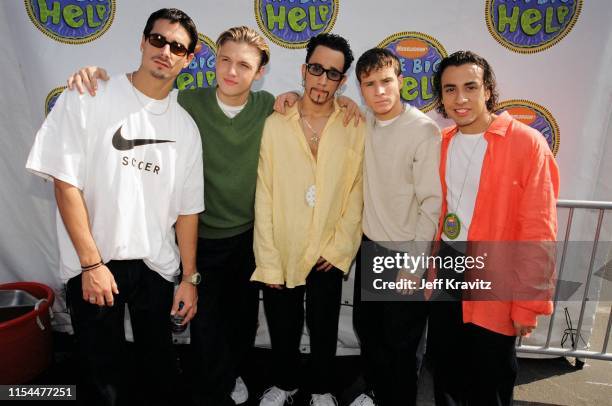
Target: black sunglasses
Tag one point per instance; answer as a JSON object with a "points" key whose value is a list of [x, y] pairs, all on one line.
{"points": [[317, 70], [159, 41]]}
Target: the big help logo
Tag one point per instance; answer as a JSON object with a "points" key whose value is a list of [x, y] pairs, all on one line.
{"points": [[420, 56], [201, 70], [529, 26], [71, 21], [291, 23], [535, 116]]}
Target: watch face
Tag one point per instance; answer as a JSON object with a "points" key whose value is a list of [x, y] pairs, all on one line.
{"points": [[196, 278]]}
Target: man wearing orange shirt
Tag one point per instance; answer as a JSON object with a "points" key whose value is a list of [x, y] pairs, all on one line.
{"points": [[500, 183]]}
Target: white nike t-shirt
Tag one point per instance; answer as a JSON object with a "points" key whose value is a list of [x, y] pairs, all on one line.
{"points": [[138, 162]]}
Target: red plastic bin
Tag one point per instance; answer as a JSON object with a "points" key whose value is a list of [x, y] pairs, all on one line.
{"points": [[26, 346]]}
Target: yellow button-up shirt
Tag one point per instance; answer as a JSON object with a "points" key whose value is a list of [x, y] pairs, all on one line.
{"points": [[290, 235]]}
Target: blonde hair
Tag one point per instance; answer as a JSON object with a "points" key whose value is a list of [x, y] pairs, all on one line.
{"points": [[248, 36]]}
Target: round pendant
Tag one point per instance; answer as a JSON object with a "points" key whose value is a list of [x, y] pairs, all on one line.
{"points": [[452, 226], [311, 195]]}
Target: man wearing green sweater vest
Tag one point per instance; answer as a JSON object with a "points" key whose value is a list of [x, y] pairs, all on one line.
{"points": [[230, 119]]}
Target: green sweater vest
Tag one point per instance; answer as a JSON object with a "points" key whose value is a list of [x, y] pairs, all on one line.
{"points": [[231, 154]]}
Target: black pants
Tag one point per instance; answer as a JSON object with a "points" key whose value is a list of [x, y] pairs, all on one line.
{"points": [[285, 316], [223, 330], [389, 334], [109, 376], [472, 365]]}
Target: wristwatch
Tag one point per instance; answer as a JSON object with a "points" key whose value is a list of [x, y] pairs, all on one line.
{"points": [[194, 278]]}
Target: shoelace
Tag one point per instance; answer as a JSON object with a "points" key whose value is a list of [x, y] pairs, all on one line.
{"points": [[275, 394], [318, 398]]}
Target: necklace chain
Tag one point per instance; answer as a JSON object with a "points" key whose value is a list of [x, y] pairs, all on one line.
{"points": [[142, 104], [467, 170], [315, 137], [489, 121]]}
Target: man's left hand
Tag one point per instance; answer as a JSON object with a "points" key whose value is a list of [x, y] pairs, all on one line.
{"points": [[188, 294], [522, 330], [285, 100], [323, 265], [409, 279], [352, 111]]}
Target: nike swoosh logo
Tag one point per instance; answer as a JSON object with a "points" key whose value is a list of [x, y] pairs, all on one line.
{"points": [[122, 144]]}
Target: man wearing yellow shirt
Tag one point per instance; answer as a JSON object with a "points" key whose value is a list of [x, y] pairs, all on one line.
{"points": [[308, 209]]}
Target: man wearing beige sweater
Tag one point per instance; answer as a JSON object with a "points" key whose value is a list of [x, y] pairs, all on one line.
{"points": [[402, 199]]}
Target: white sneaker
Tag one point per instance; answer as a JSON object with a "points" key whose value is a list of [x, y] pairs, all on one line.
{"points": [[363, 400], [325, 399], [276, 397], [240, 394]]}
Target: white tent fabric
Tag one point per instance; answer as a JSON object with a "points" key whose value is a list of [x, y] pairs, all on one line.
{"points": [[570, 78]]}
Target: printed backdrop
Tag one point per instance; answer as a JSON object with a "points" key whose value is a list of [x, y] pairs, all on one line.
{"points": [[552, 59]]}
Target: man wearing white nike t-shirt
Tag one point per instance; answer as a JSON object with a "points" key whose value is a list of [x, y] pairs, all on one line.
{"points": [[127, 169]]}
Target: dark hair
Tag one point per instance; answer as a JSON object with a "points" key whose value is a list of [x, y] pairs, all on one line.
{"points": [[461, 58], [375, 59], [174, 15], [332, 41]]}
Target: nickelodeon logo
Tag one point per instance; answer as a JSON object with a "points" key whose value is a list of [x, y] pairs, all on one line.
{"points": [[412, 48], [535, 116], [523, 114]]}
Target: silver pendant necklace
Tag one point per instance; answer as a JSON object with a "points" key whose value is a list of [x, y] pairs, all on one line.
{"points": [[142, 104], [451, 226], [467, 171], [315, 137]]}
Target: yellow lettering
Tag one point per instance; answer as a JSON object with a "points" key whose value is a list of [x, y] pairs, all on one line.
{"points": [[71, 15], [562, 12], [295, 17], [409, 84], [528, 19], [425, 92], [504, 20], [210, 77], [549, 29], [90, 17], [275, 19], [313, 19], [45, 13], [324, 12], [183, 80]]}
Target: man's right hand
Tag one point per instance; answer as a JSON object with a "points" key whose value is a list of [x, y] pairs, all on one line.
{"points": [[87, 79], [98, 286]]}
